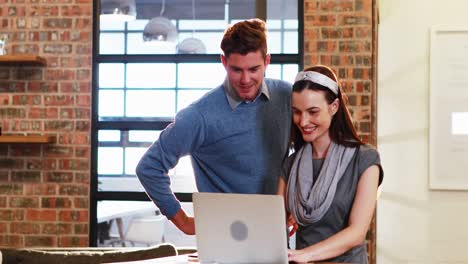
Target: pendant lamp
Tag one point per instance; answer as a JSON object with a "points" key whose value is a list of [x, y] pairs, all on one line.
{"points": [[160, 28], [191, 45], [118, 10]]}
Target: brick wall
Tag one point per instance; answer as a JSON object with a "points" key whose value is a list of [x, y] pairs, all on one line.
{"points": [[342, 34], [44, 189]]}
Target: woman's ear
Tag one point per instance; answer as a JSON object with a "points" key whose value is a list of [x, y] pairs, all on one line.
{"points": [[334, 106]]}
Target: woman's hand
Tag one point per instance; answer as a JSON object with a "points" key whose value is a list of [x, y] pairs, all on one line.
{"points": [[299, 256]]}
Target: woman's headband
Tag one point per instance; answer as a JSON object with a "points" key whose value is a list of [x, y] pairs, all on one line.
{"points": [[318, 78]]}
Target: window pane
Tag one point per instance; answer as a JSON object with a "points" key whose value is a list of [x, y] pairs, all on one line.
{"points": [[143, 136], [109, 135], [107, 24], [110, 160], [273, 71], [291, 23], [202, 25], [201, 75], [111, 103], [136, 45], [112, 43], [187, 97], [274, 42], [291, 42], [132, 157], [211, 40], [273, 24], [151, 75], [150, 103], [137, 24], [119, 184], [182, 179], [289, 72], [111, 75]]}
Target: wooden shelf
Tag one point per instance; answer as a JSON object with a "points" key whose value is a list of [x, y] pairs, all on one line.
{"points": [[25, 139], [22, 59]]}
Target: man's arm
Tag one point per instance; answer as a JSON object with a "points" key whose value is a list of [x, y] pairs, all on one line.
{"points": [[180, 138]]}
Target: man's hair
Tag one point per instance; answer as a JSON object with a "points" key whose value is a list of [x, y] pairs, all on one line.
{"points": [[244, 37]]}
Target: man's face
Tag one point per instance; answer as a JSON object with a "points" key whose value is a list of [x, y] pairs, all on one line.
{"points": [[245, 73]]}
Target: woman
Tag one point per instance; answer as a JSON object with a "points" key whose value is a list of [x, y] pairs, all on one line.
{"points": [[330, 181]]}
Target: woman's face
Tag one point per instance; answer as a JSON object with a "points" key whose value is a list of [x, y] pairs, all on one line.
{"points": [[312, 115]]}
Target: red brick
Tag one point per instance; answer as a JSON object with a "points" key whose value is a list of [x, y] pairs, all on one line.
{"points": [[73, 241], [40, 189], [57, 228], [11, 189], [56, 202], [59, 126], [81, 202], [11, 163], [82, 178], [11, 240], [3, 228], [73, 164], [27, 100], [58, 100], [74, 190], [40, 241], [76, 61], [24, 228], [81, 229], [75, 87], [12, 86], [74, 216], [24, 202], [60, 75], [43, 112], [41, 215], [4, 99], [11, 215], [58, 176], [82, 139], [337, 6], [58, 151], [83, 152], [82, 113]]}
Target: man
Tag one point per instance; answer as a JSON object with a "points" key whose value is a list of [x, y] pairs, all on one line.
{"points": [[236, 134]]}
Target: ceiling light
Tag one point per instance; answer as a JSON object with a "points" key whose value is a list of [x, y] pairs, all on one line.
{"points": [[160, 28], [118, 10], [191, 45]]}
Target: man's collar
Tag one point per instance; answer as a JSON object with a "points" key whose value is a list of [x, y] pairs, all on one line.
{"points": [[234, 100]]}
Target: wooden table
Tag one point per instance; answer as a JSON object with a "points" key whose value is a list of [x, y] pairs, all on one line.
{"points": [[182, 259]]}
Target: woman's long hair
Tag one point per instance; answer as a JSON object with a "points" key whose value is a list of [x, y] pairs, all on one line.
{"points": [[341, 129]]}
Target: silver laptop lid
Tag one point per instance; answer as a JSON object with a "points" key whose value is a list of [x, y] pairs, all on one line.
{"points": [[240, 228]]}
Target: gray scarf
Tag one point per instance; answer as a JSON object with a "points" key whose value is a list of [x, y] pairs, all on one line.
{"points": [[309, 204]]}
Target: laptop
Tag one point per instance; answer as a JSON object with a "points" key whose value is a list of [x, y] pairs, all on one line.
{"points": [[240, 228]]}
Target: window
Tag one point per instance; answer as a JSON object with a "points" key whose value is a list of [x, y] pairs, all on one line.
{"points": [[140, 86]]}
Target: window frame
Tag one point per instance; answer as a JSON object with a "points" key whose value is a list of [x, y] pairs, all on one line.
{"points": [[148, 123]]}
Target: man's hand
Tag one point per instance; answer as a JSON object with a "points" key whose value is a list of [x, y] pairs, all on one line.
{"points": [[184, 222]]}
